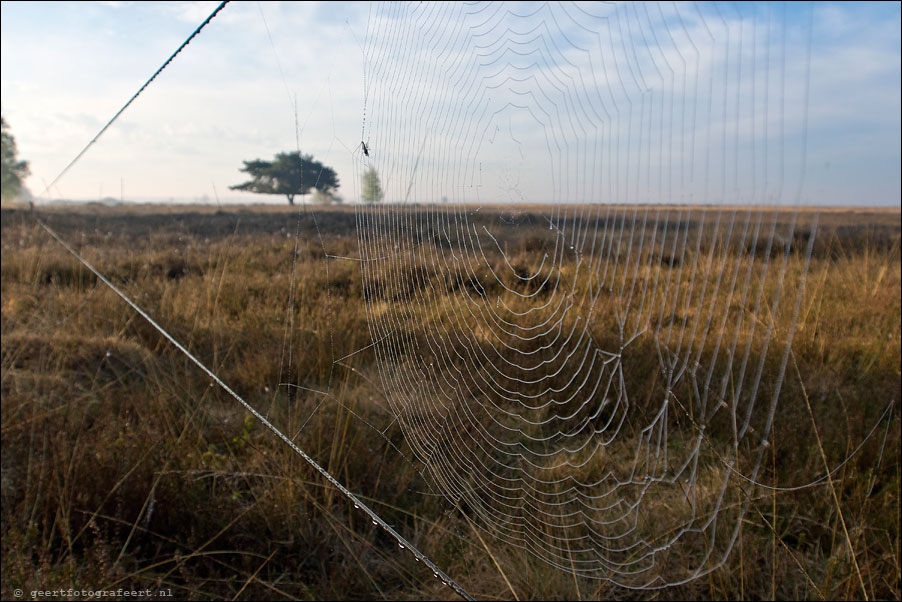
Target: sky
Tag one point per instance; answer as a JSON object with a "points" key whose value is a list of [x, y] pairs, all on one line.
{"points": [[675, 103]]}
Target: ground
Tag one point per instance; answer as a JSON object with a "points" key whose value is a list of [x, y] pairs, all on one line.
{"points": [[124, 467]]}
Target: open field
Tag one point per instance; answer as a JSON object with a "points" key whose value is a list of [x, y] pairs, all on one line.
{"points": [[123, 467]]}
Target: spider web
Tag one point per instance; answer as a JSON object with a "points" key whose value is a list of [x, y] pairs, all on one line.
{"points": [[583, 287]]}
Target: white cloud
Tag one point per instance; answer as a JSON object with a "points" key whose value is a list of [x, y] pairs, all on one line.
{"points": [[221, 101], [189, 12], [614, 88]]}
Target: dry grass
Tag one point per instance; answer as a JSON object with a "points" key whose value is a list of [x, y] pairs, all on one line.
{"points": [[123, 467]]}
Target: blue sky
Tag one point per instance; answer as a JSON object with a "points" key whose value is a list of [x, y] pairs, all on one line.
{"points": [[487, 133]]}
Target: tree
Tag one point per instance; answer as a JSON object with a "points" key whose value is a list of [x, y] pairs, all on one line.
{"points": [[14, 172], [371, 186], [326, 198], [289, 174]]}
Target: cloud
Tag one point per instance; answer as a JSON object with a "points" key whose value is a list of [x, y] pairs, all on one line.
{"points": [[709, 102], [221, 101], [622, 98], [188, 12]]}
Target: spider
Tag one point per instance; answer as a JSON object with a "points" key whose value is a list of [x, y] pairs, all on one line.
{"points": [[366, 149]]}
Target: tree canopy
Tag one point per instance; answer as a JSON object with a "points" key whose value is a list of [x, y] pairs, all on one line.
{"points": [[371, 187], [290, 174], [14, 171]]}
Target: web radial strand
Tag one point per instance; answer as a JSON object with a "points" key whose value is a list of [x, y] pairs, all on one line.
{"points": [[582, 283]]}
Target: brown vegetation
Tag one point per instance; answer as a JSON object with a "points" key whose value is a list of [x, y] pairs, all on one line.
{"points": [[123, 467]]}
